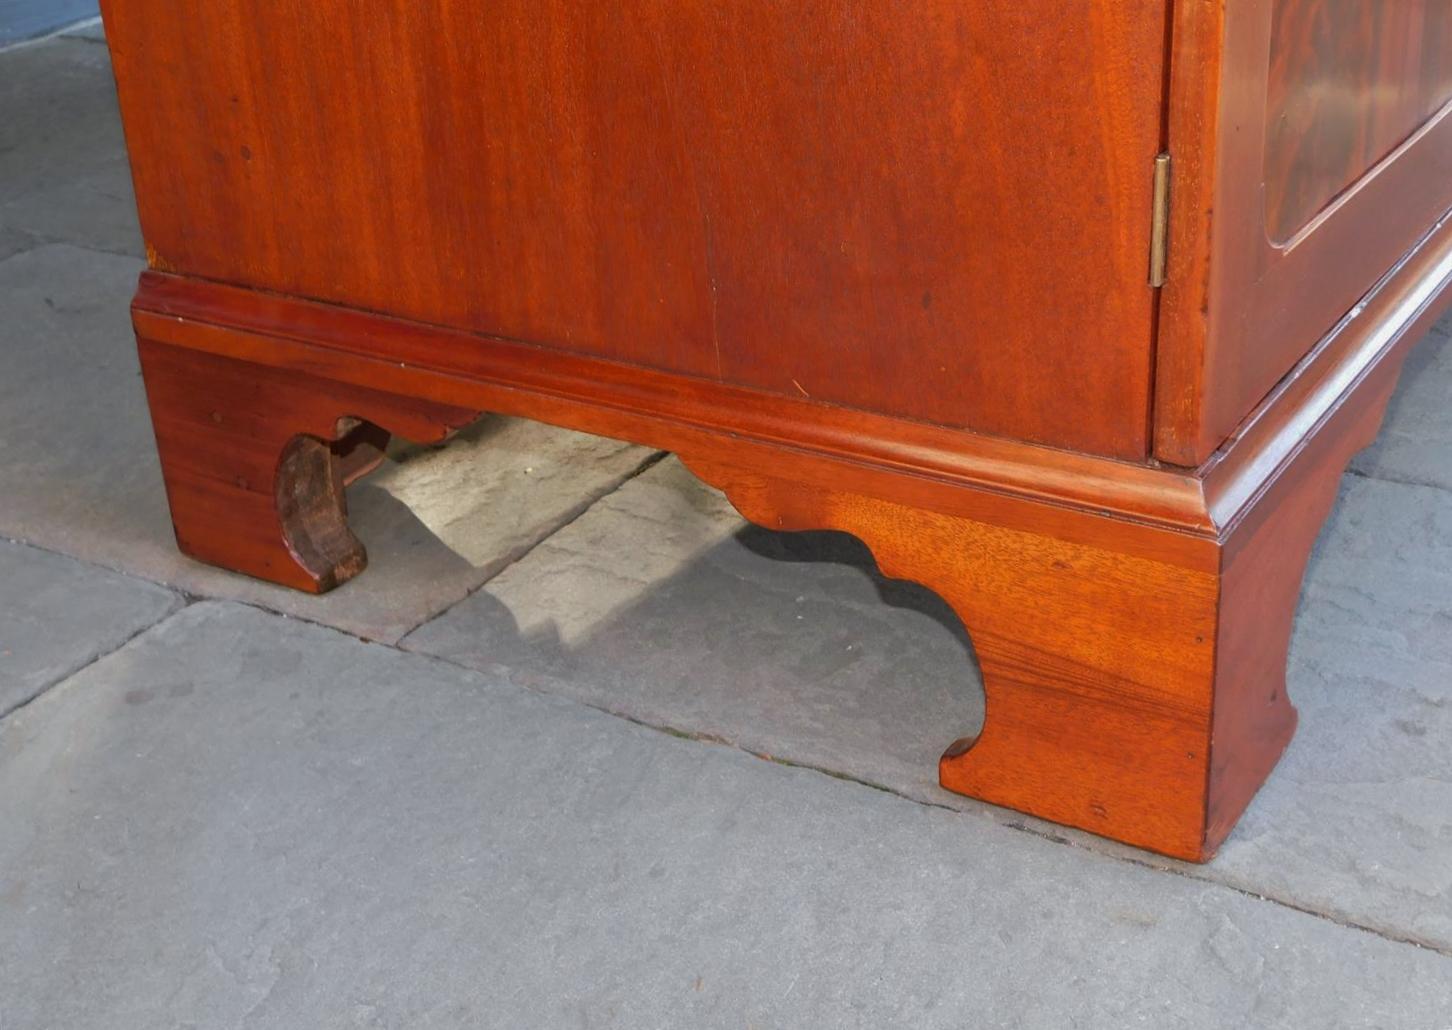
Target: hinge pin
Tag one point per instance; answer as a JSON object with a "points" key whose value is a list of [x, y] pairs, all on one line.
{"points": [[1160, 230]]}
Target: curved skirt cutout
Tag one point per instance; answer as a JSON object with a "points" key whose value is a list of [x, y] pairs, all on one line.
{"points": [[1131, 623]]}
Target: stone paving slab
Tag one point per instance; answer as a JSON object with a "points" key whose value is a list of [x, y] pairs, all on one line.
{"points": [[1415, 445], [93, 31], [64, 175], [13, 241], [78, 468], [659, 604], [245, 820], [27, 19], [58, 614]]}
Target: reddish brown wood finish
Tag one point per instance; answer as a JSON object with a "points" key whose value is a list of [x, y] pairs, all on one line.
{"points": [[1131, 623], [822, 251], [1095, 630], [1240, 310], [1097, 664], [776, 195], [1350, 80], [1271, 490], [256, 459]]}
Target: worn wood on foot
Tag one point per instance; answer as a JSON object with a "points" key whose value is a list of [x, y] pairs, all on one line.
{"points": [[256, 459]]}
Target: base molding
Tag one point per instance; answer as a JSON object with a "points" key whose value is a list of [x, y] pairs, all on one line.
{"points": [[1132, 621]]}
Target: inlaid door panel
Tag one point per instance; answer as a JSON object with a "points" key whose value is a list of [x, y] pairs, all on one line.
{"points": [[1313, 150], [1350, 81]]}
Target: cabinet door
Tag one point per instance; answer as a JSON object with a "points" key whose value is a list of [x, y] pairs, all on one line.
{"points": [[936, 209], [1330, 158]]}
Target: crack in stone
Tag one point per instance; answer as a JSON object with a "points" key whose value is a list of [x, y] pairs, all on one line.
{"points": [[1398, 481], [524, 552], [21, 705]]}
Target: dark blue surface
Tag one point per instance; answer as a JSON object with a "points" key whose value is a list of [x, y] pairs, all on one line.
{"points": [[25, 19]]}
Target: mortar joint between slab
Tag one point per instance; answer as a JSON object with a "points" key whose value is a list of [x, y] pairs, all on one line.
{"points": [[189, 598], [1397, 481], [569, 519], [54, 34], [25, 703], [1044, 834]]}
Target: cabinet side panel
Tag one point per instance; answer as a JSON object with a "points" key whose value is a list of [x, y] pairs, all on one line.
{"points": [[1317, 146], [937, 210]]}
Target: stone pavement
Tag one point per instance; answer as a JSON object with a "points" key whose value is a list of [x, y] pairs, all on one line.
{"points": [[31, 19], [581, 749]]}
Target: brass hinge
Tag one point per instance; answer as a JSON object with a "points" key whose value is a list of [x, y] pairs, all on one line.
{"points": [[1160, 229]]}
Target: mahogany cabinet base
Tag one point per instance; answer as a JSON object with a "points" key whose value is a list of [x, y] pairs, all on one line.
{"points": [[1131, 622]]}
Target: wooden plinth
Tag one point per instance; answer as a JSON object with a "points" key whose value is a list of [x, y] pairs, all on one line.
{"points": [[1132, 622]]}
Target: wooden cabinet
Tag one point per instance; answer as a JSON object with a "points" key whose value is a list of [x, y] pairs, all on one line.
{"points": [[877, 266]]}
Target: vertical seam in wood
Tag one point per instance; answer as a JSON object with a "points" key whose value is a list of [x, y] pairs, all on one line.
{"points": [[1152, 378]]}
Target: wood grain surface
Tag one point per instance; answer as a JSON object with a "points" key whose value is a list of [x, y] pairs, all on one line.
{"points": [[1276, 107], [255, 460], [1350, 80], [936, 210], [1131, 623], [866, 266]]}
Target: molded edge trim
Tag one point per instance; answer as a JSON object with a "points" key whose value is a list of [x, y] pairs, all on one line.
{"points": [[1396, 313], [172, 309], [1205, 503]]}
